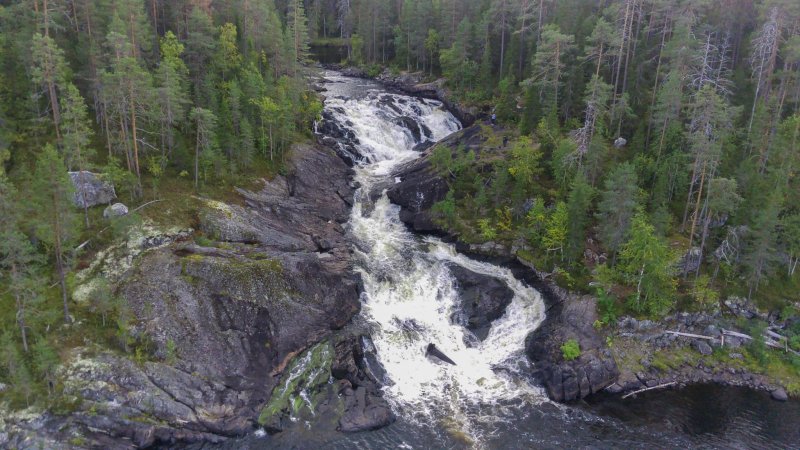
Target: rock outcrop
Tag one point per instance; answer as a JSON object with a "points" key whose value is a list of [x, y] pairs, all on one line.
{"points": [[217, 326], [483, 300], [421, 185], [91, 190], [570, 317]]}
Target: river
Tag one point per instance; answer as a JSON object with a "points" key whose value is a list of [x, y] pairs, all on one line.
{"points": [[487, 400]]}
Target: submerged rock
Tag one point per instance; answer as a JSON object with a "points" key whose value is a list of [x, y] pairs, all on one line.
{"points": [[91, 190]]}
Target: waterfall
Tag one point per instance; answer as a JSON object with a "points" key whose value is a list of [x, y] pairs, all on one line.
{"points": [[410, 294]]}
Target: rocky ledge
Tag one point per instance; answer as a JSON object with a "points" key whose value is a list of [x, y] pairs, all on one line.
{"points": [[217, 329]]}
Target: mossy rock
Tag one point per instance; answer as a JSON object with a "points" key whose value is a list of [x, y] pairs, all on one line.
{"points": [[307, 374]]}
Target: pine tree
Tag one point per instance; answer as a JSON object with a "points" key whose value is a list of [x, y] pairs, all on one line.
{"points": [[204, 123], [647, 263], [49, 71], [549, 65], [18, 260], [578, 204], [172, 92], [51, 196], [555, 235]]}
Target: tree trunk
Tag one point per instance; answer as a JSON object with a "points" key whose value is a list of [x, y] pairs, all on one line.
{"points": [[197, 157]]}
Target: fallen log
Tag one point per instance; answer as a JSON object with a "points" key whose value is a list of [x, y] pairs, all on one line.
{"points": [[660, 386]]}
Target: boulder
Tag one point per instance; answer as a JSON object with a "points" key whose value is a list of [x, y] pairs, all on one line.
{"points": [[483, 299], [620, 142], [115, 210], [364, 412], [91, 190], [570, 317], [702, 347], [779, 395]]}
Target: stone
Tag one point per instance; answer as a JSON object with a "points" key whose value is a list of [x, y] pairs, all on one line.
{"points": [[115, 210], [702, 347], [620, 142], [690, 261], [779, 395], [364, 412], [569, 317], [91, 190], [483, 299]]}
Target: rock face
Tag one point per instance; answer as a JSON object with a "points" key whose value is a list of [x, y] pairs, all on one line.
{"points": [[90, 190], [570, 317], [483, 299], [220, 325], [421, 186]]}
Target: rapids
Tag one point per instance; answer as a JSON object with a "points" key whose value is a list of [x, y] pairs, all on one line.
{"points": [[486, 400]]}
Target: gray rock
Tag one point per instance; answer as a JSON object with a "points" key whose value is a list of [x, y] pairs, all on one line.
{"points": [[570, 317], [115, 210], [779, 395], [690, 261], [702, 347], [91, 190], [483, 299], [364, 412], [620, 142]]}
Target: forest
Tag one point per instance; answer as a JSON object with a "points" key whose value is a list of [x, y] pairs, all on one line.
{"points": [[642, 130]]}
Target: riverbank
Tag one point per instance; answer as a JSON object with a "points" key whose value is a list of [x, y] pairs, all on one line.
{"points": [[645, 356]]}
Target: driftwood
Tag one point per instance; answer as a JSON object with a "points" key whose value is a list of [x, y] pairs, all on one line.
{"points": [[660, 386], [698, 336]]}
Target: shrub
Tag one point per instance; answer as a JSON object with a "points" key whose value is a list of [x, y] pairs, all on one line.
{"points": [[571, 350]]}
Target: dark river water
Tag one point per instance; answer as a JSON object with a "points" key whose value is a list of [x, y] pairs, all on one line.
{"points": [[702, 417], [474, 405]]}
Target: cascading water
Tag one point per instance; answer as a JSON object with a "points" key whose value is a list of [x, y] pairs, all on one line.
{"points": [[484, 400], [410, 295]]}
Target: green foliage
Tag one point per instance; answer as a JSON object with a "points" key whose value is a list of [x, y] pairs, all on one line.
{"points": [[647, 264], [555, 235], [570, 350], [487, 231]]}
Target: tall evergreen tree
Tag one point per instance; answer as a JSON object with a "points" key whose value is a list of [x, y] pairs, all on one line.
{"points": [[55, 220]]}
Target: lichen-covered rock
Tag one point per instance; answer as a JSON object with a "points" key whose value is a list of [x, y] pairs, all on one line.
{"points": [[115, 210], [91, 190]]}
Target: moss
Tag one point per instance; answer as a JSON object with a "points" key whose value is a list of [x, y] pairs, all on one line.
{"points": [[306, 373]]}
